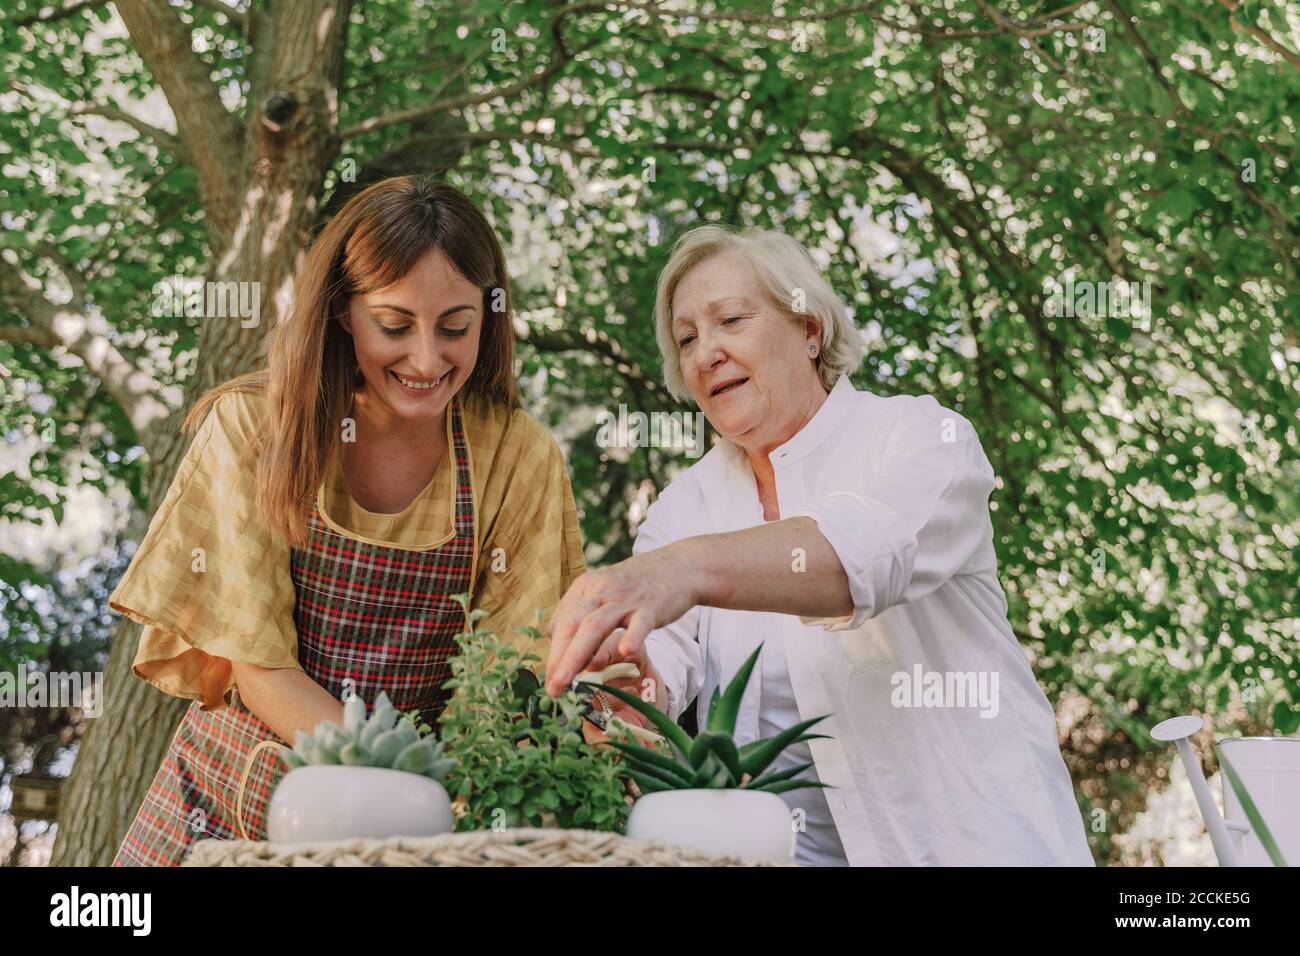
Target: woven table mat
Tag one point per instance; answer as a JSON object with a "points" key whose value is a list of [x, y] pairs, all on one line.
{"points": [[519, 847]]}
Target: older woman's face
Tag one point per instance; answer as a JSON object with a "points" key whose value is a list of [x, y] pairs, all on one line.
{"points": [[745, 362]]}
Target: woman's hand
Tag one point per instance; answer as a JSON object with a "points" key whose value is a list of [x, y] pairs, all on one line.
{"points": [[750, 570], [606, 614], [646, 684]]}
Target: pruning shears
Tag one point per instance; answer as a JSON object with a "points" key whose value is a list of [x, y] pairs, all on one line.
{"points": [[601, 714]]}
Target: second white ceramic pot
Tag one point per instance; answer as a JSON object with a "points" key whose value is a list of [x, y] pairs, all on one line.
{"points": [[749, 824]]}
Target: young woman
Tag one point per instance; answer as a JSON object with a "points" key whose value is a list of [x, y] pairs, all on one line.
{"points": [[332, 504]]}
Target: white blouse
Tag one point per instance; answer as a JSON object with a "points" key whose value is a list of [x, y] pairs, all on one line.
{"points": [[944, 748], [817, 842]]}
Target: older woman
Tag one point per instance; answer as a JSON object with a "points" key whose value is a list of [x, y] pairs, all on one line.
{"points": [[848, 533]]}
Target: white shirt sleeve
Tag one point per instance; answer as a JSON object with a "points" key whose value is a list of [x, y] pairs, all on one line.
{"points": [[674, 650], [916, 522]]}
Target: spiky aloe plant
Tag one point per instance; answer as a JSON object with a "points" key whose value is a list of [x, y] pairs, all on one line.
{"points": [[388, 739], [711, 760]]}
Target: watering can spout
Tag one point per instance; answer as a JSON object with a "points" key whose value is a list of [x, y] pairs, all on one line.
{"points": [[1179, 730]]}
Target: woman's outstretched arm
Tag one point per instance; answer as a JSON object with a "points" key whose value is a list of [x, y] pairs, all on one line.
{"points": [[786, 566]]}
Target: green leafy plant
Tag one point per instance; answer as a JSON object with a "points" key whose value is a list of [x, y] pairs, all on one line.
{"points": [[711, 760], [387, 739], [521, 756], [527, 690]]}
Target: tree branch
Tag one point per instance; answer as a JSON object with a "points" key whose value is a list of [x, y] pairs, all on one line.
{"points": [[1147, 53], [599, 343], [212, 135], [239, 18], [1258, 34], [84, 332], [29, 334], [735, 16], [453, 102], [50, 13], [560, 55], [542, 139], [433, 148], [168, 141], [1025, 33]]}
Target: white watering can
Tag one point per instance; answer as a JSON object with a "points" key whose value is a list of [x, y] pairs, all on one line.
{"points": [[1269, 767]]}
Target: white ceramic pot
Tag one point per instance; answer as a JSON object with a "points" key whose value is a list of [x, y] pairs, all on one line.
{"points": [[744, 823], [1270, 769], [334, 802]]}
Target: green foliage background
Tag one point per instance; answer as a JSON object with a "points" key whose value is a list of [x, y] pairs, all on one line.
{"points": [[942, 160]]}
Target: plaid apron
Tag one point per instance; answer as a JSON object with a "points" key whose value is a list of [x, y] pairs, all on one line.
{"points": [[369, 618]]}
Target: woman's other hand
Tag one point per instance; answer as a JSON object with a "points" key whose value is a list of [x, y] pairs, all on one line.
{"points": [[607, 614]]}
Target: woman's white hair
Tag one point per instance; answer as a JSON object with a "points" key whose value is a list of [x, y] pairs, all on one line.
{"points": [[786, 274]]}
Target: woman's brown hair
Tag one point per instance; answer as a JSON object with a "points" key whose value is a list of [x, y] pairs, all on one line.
{"points": [[311, 372]]}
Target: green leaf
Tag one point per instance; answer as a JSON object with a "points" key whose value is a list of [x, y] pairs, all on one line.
{"points": [[720, 745], [1180, 201], [523, 685], [354, 714], [647, 783], [712, 774], [386, 748], [777, 776], [654, 758], [784, 786], [757, 760], [713, 704], [663, 723], [670, 780], [1286, 718], [749, 748], [722, 718]]}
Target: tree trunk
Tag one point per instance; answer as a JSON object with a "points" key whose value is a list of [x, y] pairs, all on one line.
{"points": [[121, 749], [276, 183]]}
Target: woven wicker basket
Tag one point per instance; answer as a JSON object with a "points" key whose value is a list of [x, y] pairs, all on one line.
{"points": [[521, 847]]}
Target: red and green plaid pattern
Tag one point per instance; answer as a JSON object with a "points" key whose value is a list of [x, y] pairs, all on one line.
{"points": [[369, 618]]}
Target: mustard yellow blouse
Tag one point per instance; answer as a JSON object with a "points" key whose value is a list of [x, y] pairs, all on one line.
{"points": [[212, 585]]}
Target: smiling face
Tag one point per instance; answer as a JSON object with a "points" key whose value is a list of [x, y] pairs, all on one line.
{"points": [[416, 341], [746, 362]]}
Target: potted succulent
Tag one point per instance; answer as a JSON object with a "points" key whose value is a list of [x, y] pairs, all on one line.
{"points": [[707, 792], [376, 777]]}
